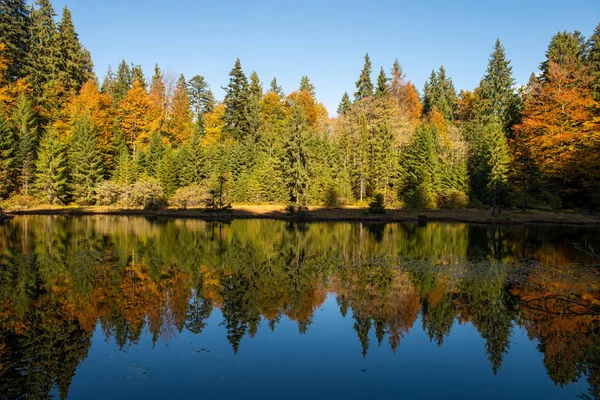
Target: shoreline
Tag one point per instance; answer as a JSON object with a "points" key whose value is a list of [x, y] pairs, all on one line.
{"points": [[317, 214]]}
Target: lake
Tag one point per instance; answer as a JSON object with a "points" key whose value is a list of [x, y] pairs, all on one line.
{"points": [[117, 307]]}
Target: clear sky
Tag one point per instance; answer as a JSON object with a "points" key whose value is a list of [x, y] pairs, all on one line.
{"points": [[325, 40]]}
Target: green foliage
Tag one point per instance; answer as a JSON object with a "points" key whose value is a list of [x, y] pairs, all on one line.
{"points": [[344, 105], [14, 24], [25, 126], [190, 196], [237, 94], [167, 174], [274, 87], [377, 205], [294, 162], [51, 169], [85, 161], [439, 94], [201, 97], [364, 86], [307, 86], [8, 156], [382, 89]]}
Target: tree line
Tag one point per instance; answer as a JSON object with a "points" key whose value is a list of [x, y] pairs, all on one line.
{"points": [[133, 140]]}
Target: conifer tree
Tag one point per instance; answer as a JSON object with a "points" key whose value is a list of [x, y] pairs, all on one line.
{"points": [[307, 86], [193, 158], [181, 113], [439, 94], [26, 131], [155, 154], [295, 153], [122, 82], [499, 163], [85, 161], [397, 81], [74, 68], [563, 48], [496, 91], [108, 82], [256, 93], [51, 169], [274, 87], [593, 62], [382, 84], [344, 105], [168, 174], [8, 156], [201, 97], [137, 74], [125, 172], [364, 85], [14, 33], [236, 104]]}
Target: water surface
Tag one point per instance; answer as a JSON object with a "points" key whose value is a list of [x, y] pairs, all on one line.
{"points": [[127, 307]]}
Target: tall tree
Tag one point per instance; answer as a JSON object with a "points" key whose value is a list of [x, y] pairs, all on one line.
{"points": [[382, 84], [344, 105], [274, 87], [294, 162], [85, 161], [439, 94], [236, 104], [74, 67], [307, 86], [364, 86], [14, 33], [201, 97], [51, 169], [496, 92], [25, 126], [594, 62], [137, 74], [564, 48], [181, 113], [8, 156], [256, 94], [158, 97], [122, 82]]}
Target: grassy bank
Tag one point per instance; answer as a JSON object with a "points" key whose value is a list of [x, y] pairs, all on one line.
{"points": [[338, 214]]}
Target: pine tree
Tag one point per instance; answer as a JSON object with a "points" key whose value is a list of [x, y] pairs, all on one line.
{"points": [[594, 62], [496, 91], [137, 74], [295, 153], [155, 154], [307, 86], [122, 82], [499, 163], [364, 85], [85, 161], [382, 84], [51, 169], [276, 88], [8, 156], [439, 94], [256, 93], [193, 158], [26, 130], [344, 105], [125, 172], [397, 81], [14, 33], [73, 67], [167, 173], [108, 82], [201, 97], [236, 104]]}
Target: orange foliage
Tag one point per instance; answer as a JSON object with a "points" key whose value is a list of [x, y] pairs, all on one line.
{"points": [[138, 116], [466, 105], [409, 102], [315, 112], [180, 122]]}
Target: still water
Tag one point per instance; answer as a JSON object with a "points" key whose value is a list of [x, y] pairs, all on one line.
{"points": [[106, 307]]}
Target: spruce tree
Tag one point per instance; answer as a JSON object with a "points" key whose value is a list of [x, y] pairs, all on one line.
{"points": [[8, 156], [274, 87], [168, 174], [594, 62], [439, 94], [307, 86], [155, 154], [236, 121], [192, 165], [14, 33], [397, 81], [294, 160], [256, 93], [563, 47], [364, 85], [201, 97], [122, 82], [51, 169], [420, 166], [108, 82], [85, 161], [344, 105], [125, 172], [73, 67], [24, 123], [497, 87], [137, 74], [382, 84], [499, 160]]}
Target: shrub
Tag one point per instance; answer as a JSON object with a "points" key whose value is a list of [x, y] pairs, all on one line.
{"points": [[452, 199], [332, 198], [190, 196], [156, 204], [141, 193], [377, 205], [108, 193], [20, 202]]}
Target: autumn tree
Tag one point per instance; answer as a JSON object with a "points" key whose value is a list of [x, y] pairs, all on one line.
{"points": [[181, 113], [134, 112]]}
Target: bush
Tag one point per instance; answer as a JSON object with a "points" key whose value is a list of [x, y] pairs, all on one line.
{"points": [[452, 199], [156, 204], [332, 198], [142, 193], [377, 206], [108, 193], [189, 196], [20, 202]]}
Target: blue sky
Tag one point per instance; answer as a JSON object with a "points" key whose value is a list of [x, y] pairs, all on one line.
{"points": [[325, 40]]}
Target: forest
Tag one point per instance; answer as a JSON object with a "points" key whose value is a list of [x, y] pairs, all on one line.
{"points": [[135, 140]]}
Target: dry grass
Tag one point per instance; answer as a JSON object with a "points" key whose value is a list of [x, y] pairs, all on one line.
{"points": [[240, 211]]}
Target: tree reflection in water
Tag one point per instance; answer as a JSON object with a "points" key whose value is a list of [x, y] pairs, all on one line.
{"points": [[60, 277]]}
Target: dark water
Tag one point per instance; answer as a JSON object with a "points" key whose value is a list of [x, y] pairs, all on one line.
{"points": [[115, 307]]}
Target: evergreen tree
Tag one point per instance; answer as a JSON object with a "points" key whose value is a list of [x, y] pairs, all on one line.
{"points": [[236, 121], [156, 152], [594, 62], [168, 174], [364, 85], [122, 82], [125, 172], [382, 84], [14, 33], [137, 74], [496, 91], [26, 130], [276, 88], [51, 169], [344, 105], [564, 46], [8, 156], [307, 86], [256, 93], [192, 168], [295, 153], [397, 81], [439, 94], [85, 161], [201, 97], [499, 162], [74, 68], [108, 82]]}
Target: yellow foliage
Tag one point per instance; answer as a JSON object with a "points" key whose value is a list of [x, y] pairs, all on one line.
{"points": [[315, 112], [213, 123], [138, 117]]}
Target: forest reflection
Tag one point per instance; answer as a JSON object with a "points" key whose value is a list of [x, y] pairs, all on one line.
{"points": [[62, 277]]}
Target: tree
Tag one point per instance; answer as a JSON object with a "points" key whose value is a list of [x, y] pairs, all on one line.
{"points": [[137, 74], [122, 82], [201, 97], [181, 113], [236, 104], [294, 162], [499, 162], [135, 116], [364, 85], [256, 94], [8, 156], [307, 86], [344, 105], [26, 130], [275, 88], [497, 87], [167, 173], [382, 84], [193, 158], [564, 48], [158, 97], [85, 161], [14, 33], [594, 62], [51, 169], [439, 93]]}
